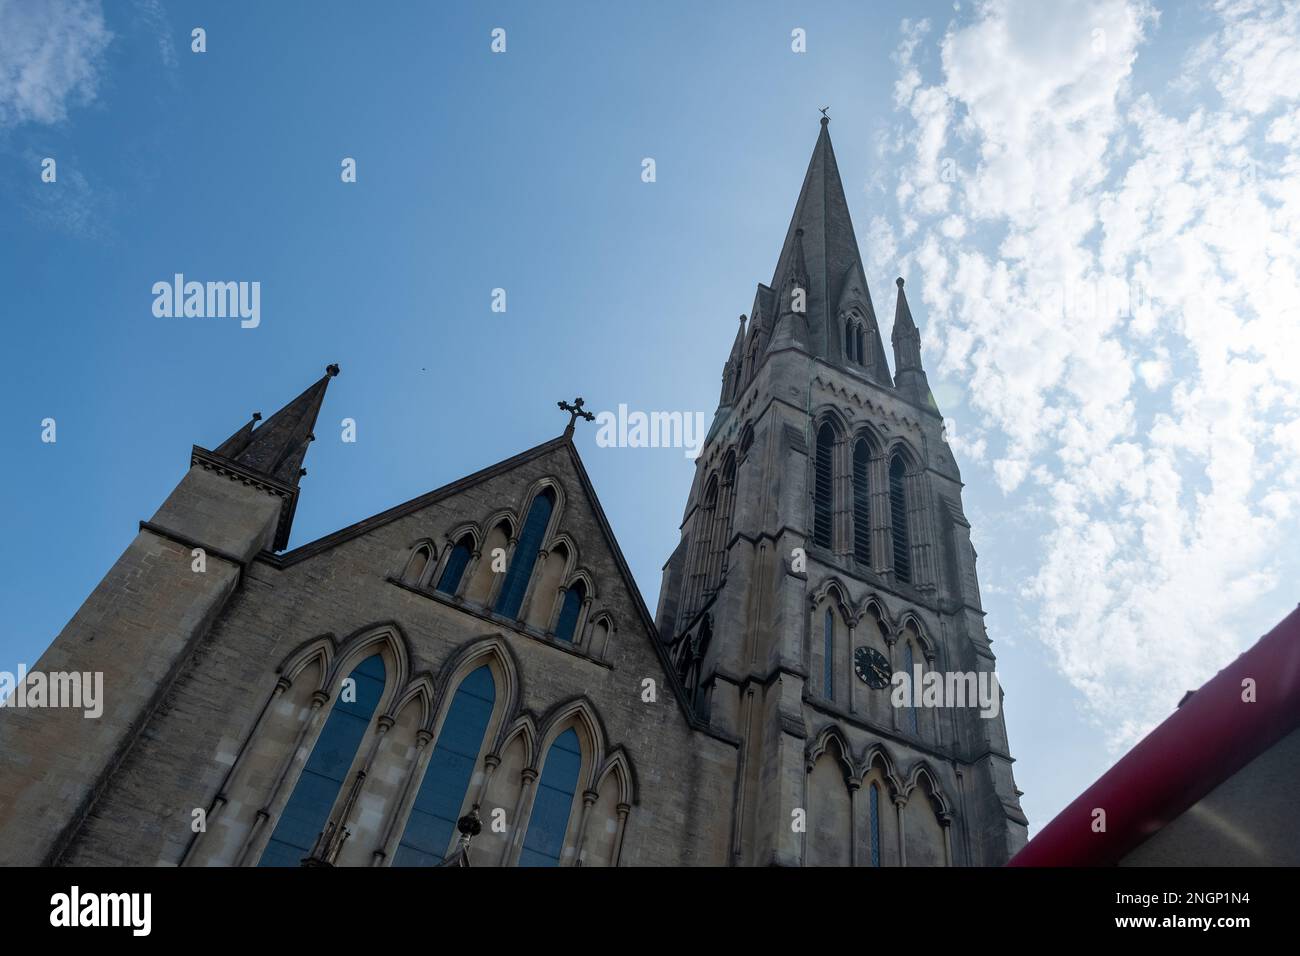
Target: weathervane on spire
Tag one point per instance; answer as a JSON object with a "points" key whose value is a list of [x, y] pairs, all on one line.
{"points": [[575, 412], [825, 119]]}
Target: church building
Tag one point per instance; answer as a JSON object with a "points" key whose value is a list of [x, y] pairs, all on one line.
{"points": [[472, 678]]}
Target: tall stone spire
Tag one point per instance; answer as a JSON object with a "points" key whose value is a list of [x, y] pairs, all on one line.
{"points": [[276, 448], [821, 234], [909, 376]]}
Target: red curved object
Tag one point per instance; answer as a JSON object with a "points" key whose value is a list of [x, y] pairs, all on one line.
{"points": [[1212, 736]]}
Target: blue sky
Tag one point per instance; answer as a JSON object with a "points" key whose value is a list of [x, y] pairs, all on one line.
{"points": [[1125, 468]]}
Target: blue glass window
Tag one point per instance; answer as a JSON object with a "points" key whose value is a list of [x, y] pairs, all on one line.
{"points": [[454, 569], [446, 779], [525, 556], [909, 660], [567, 622], [875, 825], [550, 816], [828, 653], [313, 796]]}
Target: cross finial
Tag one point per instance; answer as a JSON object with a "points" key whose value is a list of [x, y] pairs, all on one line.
{"points": [[825, 119], [575, 412]]}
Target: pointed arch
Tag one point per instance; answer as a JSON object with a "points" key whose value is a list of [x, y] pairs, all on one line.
{"points": [[878, 755], [421, 559], [833, 589], [620, 767], [456, 562], [872, 606], [830, 735], [318, 650], [828, 655], [577, 712], [562, 539], [572, 752], [924, 642], [504, 517], [602, 632], [922, 775], [464, 734], [384, 639], [492, 649], [828, 788], [419, 693], [303, 826], [524, 730], [470, 529], [568, 620], [559, 500], [541, 515]]}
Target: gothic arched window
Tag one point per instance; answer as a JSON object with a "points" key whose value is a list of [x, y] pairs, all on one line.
{"points": [[305, 815], [828, 655], [823, 486], [525, 556], [454, 569], [898, 520], [850, 339], [550, 817], [567, 622], [861, 503], [417, 564], [874, 810], [447, 777]]}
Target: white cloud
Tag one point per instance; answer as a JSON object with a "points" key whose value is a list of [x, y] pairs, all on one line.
{"points": [[50, 57], [1118, 285]]}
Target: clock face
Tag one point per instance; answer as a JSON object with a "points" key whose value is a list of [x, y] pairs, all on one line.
{"points": [[871, 667]]}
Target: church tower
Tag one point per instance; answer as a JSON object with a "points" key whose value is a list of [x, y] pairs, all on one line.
{"points": [[823, 550], [143, 622]]}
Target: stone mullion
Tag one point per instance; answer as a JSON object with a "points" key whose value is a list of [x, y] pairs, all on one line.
{"points": [[254, 841], [623, 809], [499, 577], [557, 607], [383, 725], [589, 798], [392, 835], [523, 805], [467, 575], [841, 499], [535, 574], [855, 786], [899, 804]]}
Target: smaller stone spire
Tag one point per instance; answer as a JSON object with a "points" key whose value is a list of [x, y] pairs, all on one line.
{"points": [[276, 448], [733, 371], [909, 376]]}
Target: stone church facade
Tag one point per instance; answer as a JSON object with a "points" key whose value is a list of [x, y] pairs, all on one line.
{"points": [[472, 677]]}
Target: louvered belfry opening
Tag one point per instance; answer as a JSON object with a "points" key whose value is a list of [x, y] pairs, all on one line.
{"points": [[822, 487], [898, 520], [861, 504]]}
